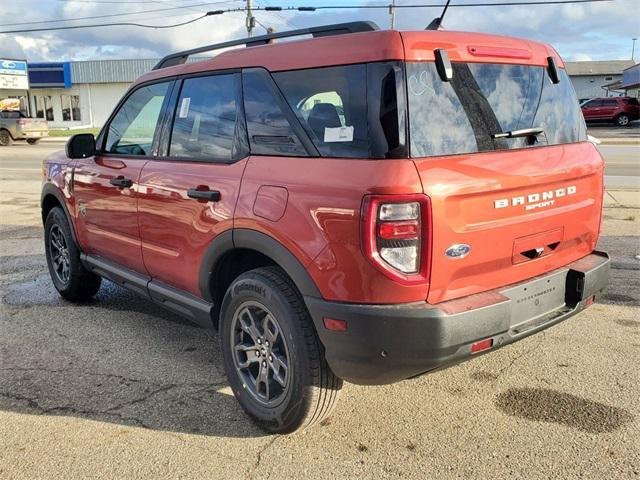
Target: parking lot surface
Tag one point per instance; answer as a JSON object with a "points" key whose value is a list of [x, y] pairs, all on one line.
{"points": [[119, 388]]}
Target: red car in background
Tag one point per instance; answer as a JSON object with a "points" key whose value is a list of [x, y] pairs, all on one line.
{"points": [[620, 110]]}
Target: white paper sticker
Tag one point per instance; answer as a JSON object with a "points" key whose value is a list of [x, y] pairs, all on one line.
{"points": [[338, 134], [184, 108]]}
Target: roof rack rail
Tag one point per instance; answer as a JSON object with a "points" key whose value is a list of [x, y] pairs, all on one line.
{"points": [[321, 31]]}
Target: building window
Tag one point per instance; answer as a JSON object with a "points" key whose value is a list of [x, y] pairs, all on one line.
{"points": [[44, 107], [608, 79], [71, 108]]}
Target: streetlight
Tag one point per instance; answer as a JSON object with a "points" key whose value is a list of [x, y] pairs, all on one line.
{"points": [[633, 49]]}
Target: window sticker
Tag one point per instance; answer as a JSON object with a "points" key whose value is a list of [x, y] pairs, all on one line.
{"points": [[184, 108], [338, 134]]}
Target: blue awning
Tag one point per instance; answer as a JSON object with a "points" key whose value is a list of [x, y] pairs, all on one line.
{"points": [[50, 75]]}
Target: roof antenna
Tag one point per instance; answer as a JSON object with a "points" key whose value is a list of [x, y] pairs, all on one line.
{"points": [[437, 22]]}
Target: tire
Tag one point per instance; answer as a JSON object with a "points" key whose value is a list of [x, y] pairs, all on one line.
{"points": [[71, 279], [5, 138], [306, 391], [33, 141], [622, 120]]}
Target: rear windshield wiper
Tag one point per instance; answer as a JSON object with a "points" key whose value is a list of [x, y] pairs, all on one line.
{"points": [[523, 132]]}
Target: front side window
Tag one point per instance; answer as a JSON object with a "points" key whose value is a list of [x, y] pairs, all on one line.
{"points": [[132, 130], [481, 100], [206, 119]]}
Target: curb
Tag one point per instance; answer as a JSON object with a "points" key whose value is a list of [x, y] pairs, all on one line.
{"points": [[619, 141]]}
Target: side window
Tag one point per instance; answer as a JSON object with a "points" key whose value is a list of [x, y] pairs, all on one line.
{"points": [[331, 104], [269, 130], [609, 103], [206, 119], [132, 129]]}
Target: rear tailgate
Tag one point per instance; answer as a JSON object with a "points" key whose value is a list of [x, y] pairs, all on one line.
{"points": [[523, 213], [500, 146], [33, 126]]}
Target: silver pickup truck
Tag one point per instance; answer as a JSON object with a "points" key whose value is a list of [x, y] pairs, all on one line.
{"points": [[15, 126]]}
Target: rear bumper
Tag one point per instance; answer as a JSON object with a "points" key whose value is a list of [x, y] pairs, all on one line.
{"points": [[388, 343], [24, 135]]}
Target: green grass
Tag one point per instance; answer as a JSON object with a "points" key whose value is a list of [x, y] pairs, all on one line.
{"points": [[68, 133]]}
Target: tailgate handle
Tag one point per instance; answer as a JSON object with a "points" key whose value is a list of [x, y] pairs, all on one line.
{"points": [[539, 251], [533, 253]]}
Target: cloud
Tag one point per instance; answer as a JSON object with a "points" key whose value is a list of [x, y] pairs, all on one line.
{"points": [[597, 31]]}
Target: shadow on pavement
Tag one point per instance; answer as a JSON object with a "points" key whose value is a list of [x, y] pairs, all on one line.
{"points": [[118, 359]]}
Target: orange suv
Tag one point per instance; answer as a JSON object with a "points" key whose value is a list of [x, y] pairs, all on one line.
{"points": [[363, 205]]}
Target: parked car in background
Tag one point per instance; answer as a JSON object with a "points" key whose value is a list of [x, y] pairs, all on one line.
{"points": [[16, 126], [620, 110]]}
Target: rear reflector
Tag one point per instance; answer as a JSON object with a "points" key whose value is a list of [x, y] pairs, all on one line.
{"points": [[399, 230], [590, 300], [335, 325], [481, 345]]}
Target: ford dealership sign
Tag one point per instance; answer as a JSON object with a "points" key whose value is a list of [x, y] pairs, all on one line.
{"points": [[13, 75]]}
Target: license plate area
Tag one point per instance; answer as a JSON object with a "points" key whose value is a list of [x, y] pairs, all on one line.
{"points": [[536, 300]]}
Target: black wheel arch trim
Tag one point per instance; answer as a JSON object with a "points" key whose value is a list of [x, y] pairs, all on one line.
{"points": [[260, 242], [51, 189]]}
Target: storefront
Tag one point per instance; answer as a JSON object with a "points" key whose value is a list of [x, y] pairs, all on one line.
{"points": [[80, 94]]}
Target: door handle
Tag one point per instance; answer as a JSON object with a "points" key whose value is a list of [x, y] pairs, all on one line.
{"points": [[121, 182], [208, 195]]}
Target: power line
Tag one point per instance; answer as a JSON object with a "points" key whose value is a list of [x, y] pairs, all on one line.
{"points": [[111, 15], [288, 9], [120, 24], [431, 5]]}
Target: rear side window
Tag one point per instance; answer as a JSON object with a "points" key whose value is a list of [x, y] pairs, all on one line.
{"points": [[206, 119], [632, 101], [609, 103], [353, 111], [481, 100], [331, 103], [132, 129]]}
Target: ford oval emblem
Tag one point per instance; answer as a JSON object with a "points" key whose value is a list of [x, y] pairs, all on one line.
{"points": [[459, 250]]}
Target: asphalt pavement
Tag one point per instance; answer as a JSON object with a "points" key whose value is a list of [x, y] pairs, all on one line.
{"points": [[119, 388]]}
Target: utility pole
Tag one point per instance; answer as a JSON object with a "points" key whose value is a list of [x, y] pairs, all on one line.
{"points": [[251, 21], [392, 12], [633, 49]]}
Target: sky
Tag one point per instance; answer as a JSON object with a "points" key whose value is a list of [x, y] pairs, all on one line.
{"points": [[596, 31]]}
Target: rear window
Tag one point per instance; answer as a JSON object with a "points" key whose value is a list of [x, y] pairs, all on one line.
{"points": [[481, 100]]}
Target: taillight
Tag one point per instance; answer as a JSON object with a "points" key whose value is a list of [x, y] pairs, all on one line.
{"points": [[396, 235]]}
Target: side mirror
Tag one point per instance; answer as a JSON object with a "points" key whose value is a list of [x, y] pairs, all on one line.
{"points": [[443, 65], [81, 145]]}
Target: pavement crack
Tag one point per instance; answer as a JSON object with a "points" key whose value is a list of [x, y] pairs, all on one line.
{"points": [[261, 452], [164, 388], [523, 354], [614, 198]]}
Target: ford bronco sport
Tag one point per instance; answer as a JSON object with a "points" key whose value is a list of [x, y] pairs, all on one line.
{"points": [[363, 205]]}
